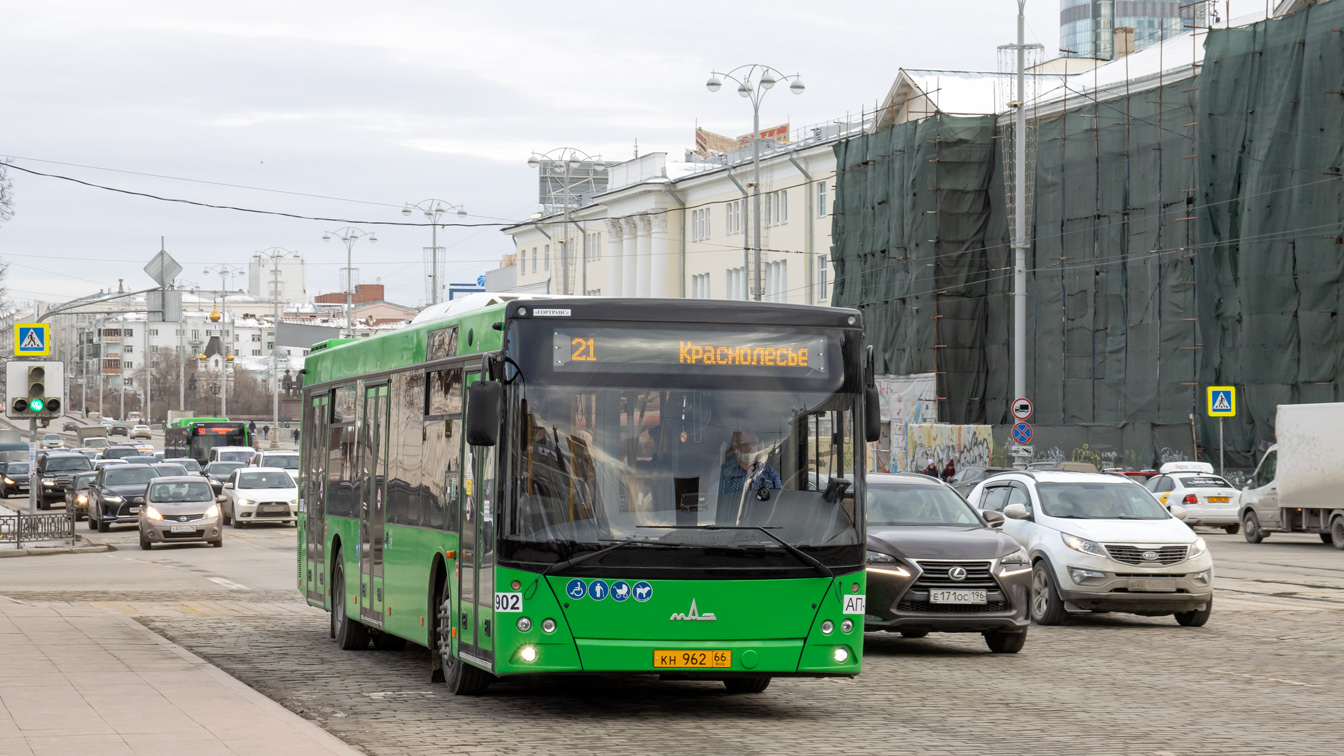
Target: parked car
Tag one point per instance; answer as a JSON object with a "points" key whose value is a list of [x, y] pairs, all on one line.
{"points": [[1207, 498], [52, 441], [77, 495], [257, 494], [56, 470], [966, 478], [936, 564], [120, 451], [118, 429], [218, 472], [1099, 543], [118, 494], [141, 431], [180, 509], [286, 460], [15, 480]]}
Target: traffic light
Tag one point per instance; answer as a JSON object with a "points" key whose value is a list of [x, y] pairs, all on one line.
{"points": [[36, 389]]}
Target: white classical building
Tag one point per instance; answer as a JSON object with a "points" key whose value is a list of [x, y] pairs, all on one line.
{"points": [[683, 229]]}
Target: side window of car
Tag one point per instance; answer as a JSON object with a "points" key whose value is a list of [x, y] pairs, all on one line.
{"points": [[994, 498], [1018, 495], [1152, 483]]}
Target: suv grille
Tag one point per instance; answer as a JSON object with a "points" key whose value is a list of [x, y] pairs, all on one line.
{"points": [[1165, 555]]}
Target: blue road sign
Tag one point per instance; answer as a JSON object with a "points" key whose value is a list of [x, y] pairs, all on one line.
{"points": [[1022, 433], [32, 339], [620, 590], [643, 591], [597, 590], [576, 589], [1222, 401]]}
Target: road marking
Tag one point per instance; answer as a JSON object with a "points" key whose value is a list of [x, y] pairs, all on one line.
{"points": [[228, 584], [1262, 677]]}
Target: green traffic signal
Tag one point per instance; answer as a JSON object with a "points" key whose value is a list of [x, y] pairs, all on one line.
{"points": [[35, 405]]}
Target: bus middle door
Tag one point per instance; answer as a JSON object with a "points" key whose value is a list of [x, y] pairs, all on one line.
{"points": [[372, 513], [312, 482], [477, 549]]}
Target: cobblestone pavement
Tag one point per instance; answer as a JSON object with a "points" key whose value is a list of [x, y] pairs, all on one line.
{"points": [[1261, 678]]}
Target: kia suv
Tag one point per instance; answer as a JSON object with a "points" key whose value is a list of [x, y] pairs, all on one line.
{"points": [[1102, 544]]}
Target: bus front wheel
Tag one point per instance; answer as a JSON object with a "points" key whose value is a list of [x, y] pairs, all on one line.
{"points": [[462, 678], [350, 634], [747, 684]]}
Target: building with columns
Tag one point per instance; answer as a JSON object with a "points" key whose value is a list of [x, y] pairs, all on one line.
{"points": [[666, 228]]}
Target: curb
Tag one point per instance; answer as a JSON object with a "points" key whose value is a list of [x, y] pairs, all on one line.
{"points": [[93, 548]]}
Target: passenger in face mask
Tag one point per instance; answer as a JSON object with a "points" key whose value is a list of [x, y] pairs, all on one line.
{"points": [[744, 470]]}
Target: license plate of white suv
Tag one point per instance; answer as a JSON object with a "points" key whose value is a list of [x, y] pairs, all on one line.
{"points": [[948, 596]]}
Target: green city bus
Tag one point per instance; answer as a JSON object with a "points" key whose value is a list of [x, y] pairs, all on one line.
{"points": [[194, 437], [584, 485]]}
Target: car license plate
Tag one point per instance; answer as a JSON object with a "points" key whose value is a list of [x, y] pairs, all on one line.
{"points": [[685, 659], [134, 510], [183, 528], [946, 596], [1152, 585], [276, 509], [1217, 499]]}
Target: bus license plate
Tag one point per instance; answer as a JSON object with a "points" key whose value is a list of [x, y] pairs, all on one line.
{"points": [[183, 528], [943, 596], [1217, 499], [665, 658]]}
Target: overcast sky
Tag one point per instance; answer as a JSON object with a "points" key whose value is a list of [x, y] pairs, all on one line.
{"points": [[371, 105]]}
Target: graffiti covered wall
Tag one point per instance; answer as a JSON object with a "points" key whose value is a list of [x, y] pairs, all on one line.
{"points": [[966, 445]]}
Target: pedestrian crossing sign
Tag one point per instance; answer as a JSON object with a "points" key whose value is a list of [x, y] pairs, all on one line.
{"points": [[1222, 401], [32, 339]]}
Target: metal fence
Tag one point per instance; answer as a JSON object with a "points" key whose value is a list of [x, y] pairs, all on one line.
{"points": [[48, 526]]}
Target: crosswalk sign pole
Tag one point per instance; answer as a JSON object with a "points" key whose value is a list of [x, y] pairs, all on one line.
{"points": [[34, 481], [1221, 471]]}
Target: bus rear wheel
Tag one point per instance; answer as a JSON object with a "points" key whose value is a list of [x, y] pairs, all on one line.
{"points": [[462, 678], [756, 684], [350, 634]]}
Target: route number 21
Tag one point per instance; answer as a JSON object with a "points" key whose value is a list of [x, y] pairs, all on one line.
{"points": [[583, 350]]}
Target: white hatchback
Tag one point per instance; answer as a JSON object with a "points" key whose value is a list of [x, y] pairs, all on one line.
{"points": [[1099, 543], [259, 494], [1207, 498]]}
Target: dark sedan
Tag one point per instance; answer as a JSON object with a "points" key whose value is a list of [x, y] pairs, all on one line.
{"points": [[218, 472], [935, 564], [77, 494], [118, 492], [118, 429], [15, 480]]}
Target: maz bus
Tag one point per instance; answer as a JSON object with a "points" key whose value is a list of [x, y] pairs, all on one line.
{"points": [[571, 485], [194, 437]]}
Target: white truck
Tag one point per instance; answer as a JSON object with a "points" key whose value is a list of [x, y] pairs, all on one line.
{"points": [[1299, 484]]}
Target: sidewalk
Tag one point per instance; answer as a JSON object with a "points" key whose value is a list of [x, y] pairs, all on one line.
{"points": [[76, 679]]}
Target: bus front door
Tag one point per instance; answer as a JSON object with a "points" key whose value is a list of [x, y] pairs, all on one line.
{"points": [[476, 595], [313, 502], [373, 464]]}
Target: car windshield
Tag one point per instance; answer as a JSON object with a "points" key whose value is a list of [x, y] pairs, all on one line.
{"points": [[117, 452], [83, 481], [1204, 481], [52, 437], [191, 465], [917, 505], [222, 469], [1099, 501], [119, 475], [287, 461], [179, 491], [16, 467], [72, 463], [265, 480], [168, 468], [234, 456]]}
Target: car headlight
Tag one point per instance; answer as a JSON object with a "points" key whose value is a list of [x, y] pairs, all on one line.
{"points": [[213, 511], [113, 499], [1084, 545], [877, 557], [243, 501], [1018, 557], [82, 499], [46, 482], [9, 481], [153, 513], [1198, 547]]}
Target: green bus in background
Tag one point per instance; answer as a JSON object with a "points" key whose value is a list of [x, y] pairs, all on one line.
{"points": [[194, 437], [570, 485]]}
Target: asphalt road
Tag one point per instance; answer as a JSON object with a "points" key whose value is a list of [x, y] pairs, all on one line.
{"points": [[1261, 678]]}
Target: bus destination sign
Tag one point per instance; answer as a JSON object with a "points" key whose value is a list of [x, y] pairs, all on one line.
{"points": [[603, 350]]}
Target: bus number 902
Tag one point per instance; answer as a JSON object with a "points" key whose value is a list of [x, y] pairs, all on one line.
{"points": [[508, 602]]}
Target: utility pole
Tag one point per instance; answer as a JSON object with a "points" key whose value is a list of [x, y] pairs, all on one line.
{"points": [[1020, 218]]}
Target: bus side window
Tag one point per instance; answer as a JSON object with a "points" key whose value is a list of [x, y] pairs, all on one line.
{"points": [[442, 432], [404, 465]]}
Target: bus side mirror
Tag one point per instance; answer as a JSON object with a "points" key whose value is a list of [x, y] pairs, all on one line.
{"points": [[872, 417], [484, 400]]}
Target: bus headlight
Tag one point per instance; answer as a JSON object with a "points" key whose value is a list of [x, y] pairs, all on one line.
{"points": [[841, 655], [528, 654]]}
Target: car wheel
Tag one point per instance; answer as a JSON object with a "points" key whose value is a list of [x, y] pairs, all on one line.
{"points": [[144, 541], [92, 524], [462, 678], [351, 635], [914, 633], [1046, 606], [102, 525], [237, 523], [1232, 529], [1196, 618], [1006, 643], [224, 515], [1337, 533], [218, 544], [1325, 537], [753, 684], [1250, 528]]}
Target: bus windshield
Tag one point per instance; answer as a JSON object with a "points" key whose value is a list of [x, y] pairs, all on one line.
{"points": [[639, 450]]}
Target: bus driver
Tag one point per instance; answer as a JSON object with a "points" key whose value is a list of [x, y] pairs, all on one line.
{"points": [[744, 470]]}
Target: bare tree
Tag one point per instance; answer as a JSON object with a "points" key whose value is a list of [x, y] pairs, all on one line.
{"points": [[6, 193]]}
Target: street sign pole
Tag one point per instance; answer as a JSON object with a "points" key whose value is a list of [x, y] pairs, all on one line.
{"points": [[33, 480], [1221, 472]]}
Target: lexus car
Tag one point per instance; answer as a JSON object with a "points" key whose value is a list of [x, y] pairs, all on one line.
{"points": [[1099, 543], [118, 492], [935, 564]]}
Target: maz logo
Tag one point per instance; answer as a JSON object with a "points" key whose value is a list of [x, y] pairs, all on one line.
{"points": [[694, 615]]}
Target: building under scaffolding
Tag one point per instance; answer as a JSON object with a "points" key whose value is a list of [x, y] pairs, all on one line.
{"points": [[1187, 226]]}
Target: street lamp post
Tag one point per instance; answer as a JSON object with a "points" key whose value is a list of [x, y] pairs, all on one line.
{"points": [[571, 160], [276, 254], [433, 208], [754, 81], [349, 235]]}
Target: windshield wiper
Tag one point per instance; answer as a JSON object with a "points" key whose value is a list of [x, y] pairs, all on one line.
{"points": [[802, 556], [595, 554]]}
